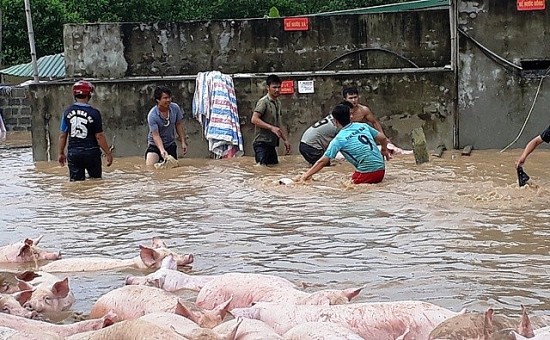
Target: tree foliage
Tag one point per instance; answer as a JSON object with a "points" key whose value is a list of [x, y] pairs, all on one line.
{"points": [[48, 16]]}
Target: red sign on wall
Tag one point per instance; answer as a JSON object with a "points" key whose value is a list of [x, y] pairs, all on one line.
{"points": [[531, 5], [287, 87], [296, 24]]}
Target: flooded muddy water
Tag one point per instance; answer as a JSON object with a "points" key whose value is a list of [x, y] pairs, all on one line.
{"points": [[457, 231]]}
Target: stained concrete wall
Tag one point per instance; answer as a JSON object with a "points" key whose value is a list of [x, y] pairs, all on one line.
{"points": [[127, 60], [423, 102], [495, 100], [259, 45]]}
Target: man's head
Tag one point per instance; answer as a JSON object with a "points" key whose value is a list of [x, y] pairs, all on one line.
{"points": [[83, 89], [342, 114], [351, 94], [273, 83], [162, 96]]}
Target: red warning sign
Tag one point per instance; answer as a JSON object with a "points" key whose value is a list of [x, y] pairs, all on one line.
{"points": [[296, 24], [287, 87], [531, 5]]}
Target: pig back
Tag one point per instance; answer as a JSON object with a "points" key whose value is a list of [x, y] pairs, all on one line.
{"points": [[131, 302]]}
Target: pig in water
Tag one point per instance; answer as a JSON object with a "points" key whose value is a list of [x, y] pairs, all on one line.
{"points": [[26, 251], [13, 304], [403, 320], [485, 326], [320, 331], [249, 329], [12, 334], [38, 327], [247, 289], [50, 295], [540, 334], [132, 302], [189, 329], [8, 283], [170, 279], [148, 258], [131, 330]]}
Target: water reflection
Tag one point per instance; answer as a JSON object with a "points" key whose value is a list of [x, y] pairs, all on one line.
{"points": [[458, 232]]}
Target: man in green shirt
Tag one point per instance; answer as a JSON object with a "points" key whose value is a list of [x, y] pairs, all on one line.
{"points": [[267, 119]]}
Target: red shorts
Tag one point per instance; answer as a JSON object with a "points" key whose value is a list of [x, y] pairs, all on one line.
{"points": [[368, 177]]}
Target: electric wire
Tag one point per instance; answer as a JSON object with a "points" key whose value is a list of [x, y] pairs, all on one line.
{"points": [[530, 110]]}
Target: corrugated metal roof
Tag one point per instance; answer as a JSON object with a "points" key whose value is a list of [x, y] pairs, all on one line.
{"points": [[49, 66], [397, 7]]}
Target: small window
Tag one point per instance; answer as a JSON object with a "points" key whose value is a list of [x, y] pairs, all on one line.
{"points": [[536, 66]]}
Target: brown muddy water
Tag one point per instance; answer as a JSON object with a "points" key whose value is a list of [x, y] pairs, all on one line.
{"points": [[457, 231]]}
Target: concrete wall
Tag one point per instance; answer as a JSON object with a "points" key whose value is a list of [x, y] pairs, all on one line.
{"points": [[401, 101], [16, 110], [494, 100], [127, 60], [259, 45]]}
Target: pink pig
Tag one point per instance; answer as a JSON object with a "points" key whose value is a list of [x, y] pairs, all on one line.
{"points": [[148, 258], [486, 326], [247, 289], [50, 295], [188, 328], [248, 329], [170, 279], [320, 331], [132, 302], [403, 320], [13, 304], [26, 251], [39, 327], [130, 329]]}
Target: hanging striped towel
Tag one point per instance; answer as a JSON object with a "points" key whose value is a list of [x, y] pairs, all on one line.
{"points": [[215, 107]]}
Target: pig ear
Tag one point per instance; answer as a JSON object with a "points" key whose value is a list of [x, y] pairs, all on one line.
{"points": [[25, 248], [169, 262], [232, 333], [27, 275], [352, 292], [23, 296], [525, 327], [488, 323], [185, 312], [38, 240], [149, 256], [61, 288], [158, 282], [223, 308], [157, 243], [110, 318], [23, 285]]}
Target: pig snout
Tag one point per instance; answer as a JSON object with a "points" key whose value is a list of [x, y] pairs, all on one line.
{"points": [[35, 316], [132, 280], [185, 260], [51, 256]]}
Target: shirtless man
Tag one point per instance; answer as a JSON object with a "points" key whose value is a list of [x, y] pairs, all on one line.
{"points": [[361, 113]]}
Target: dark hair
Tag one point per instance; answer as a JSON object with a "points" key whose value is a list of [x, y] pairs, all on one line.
{"points": [[350, 90], [272, 79], [159, 90], [346, 103], [342, 114]]}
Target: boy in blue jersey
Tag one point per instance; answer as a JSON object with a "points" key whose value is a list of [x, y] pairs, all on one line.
{"points": [[357, 142], [81, 125]]}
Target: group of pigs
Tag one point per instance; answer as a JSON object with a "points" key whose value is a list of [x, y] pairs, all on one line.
{"points": [[241, 306]]}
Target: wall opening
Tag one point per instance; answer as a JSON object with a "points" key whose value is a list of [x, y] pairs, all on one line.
{"points": [[535, 66]]}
